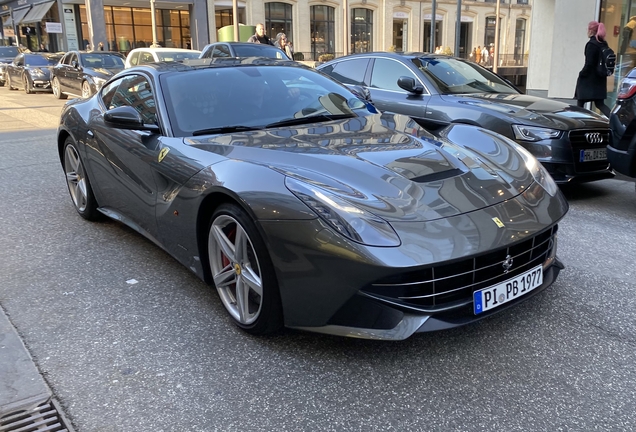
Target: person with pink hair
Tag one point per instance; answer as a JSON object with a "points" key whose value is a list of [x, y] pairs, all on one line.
{"points": [[591, 86]]}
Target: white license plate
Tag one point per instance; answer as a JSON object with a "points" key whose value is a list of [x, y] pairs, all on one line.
{"points": [[496, 295], [593, 155]]}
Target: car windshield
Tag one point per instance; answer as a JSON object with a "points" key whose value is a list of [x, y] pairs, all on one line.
{"points": [[8, 51], [227, 99], [178, 56], [259, 50], [102, 60], [41, 60], [452, 76]]}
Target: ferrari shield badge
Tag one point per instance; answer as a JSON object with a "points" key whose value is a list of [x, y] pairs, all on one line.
{"points": [[162, 154], [496, 220]]}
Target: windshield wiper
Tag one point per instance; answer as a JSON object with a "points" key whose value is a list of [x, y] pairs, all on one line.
{"points": [[224, 129], [309, 119]]}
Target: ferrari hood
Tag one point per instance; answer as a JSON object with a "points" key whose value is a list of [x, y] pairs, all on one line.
{"points": [[531, 110], [403, 174]]}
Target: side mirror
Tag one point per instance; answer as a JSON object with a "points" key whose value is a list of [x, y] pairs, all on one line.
{"points": [[126, 117], [361, 92], [408, 84]]}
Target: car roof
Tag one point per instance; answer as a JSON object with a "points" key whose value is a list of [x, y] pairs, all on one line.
{"points": [[164, 49], [222, 62]]}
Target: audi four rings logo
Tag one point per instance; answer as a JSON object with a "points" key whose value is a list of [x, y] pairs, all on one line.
{"points": [[594, 138], [507, 264]]}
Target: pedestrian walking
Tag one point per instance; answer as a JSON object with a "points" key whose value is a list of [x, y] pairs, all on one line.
{"points": [[260, 36], [478, 54], [591, 86]]}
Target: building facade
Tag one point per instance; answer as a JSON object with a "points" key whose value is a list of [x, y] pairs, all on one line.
{"points": [[315, 26]]}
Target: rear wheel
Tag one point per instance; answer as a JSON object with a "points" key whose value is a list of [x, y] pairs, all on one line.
{"points": [[57, 91], [78, 184], [27, 86], [9, 83], [86, 90], [242, 271]]}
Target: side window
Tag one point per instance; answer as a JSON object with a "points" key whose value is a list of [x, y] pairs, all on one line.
{"points": [[134, 59], [19, 60], [386, 73], [108, 91], [65, 59], [207, 53], [73, 58], [135, 91], [350, 71], [221, 51]]}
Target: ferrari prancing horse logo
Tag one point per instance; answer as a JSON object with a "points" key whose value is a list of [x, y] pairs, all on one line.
{"points": [[162, 154], [498, 221]]}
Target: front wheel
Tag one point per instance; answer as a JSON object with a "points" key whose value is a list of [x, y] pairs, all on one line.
{"points": [[57, 90], [86, 90], [242, 271], [27, 86], [78, 184]]}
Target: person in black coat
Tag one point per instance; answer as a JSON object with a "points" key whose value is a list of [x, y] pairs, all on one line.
{"points": [[592, 86]]}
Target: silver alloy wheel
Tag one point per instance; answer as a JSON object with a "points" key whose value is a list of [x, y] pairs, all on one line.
{"points": [[86, 89], [26, 86], [235, 269], [56, 87], [75, 177]]}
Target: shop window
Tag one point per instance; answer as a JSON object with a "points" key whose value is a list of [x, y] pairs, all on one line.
{"points": [[361, 30], [278, 19], [322, 28], [520, 40]]}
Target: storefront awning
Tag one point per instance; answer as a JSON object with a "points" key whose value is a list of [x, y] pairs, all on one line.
{"points": [[37, 12], [18, 14]]}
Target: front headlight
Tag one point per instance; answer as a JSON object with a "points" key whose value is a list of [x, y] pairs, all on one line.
{"points": [[99, 82], [537, 170], [347, 219], [533, 133]]}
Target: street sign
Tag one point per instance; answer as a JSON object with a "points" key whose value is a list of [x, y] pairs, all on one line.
{"points": [[53, 27]]}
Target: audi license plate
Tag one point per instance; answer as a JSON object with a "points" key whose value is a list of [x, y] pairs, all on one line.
{"points": [[496, 295], [593, 155]]}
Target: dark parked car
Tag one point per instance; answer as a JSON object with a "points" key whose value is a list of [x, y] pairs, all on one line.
{"points": [[31, 71], [622, 151], [81, 73], [318, 213], [7, 54], [437, 90], [241, 49]]}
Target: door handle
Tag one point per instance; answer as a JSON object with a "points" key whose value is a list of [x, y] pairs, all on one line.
{"points": [[90, 133]]}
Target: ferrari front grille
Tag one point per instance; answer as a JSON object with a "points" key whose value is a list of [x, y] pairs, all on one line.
{"points": [[452, 284]]}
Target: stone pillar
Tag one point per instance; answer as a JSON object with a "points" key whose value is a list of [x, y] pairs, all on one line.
{"points": [[211, 13], [199, 29], [96, 25]]}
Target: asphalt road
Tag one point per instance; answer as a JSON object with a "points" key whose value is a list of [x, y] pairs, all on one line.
{"points": [[161, 354]]}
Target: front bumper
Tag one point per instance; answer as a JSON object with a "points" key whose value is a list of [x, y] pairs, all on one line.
{"points": [[328, 283], [561, 157]]}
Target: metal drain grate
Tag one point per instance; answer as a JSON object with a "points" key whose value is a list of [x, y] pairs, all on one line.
{"points": [[44, 417]]}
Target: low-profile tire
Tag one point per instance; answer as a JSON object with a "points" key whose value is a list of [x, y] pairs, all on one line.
{"points": [[78, 184], [86, 90], [243, 272], [9, 83], [57, 91], [27, 86]]}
